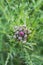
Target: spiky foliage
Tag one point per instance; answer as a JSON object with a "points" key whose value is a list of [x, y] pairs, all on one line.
{"points": [[16, 13]]}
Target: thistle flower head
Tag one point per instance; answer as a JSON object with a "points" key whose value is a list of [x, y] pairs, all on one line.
{"points": [[21, 33]]}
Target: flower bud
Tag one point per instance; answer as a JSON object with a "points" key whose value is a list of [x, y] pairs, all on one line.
{"points": [[14, 36], [19, 38], [24, 41], [25, 36], [16, 32]]}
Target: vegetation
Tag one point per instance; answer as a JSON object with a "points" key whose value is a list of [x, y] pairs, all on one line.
{"points": [[15, 13]]}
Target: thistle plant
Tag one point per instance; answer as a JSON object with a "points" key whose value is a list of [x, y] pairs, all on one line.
{"points": [[21, 32]]}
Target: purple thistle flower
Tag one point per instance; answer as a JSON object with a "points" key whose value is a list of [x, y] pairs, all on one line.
{"points": [[21, 33]]}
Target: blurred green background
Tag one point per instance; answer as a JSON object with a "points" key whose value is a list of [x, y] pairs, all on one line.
{"points": [[20, 12]]}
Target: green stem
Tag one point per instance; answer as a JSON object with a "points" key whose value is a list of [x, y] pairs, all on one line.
{"points": [[8, 57]]}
